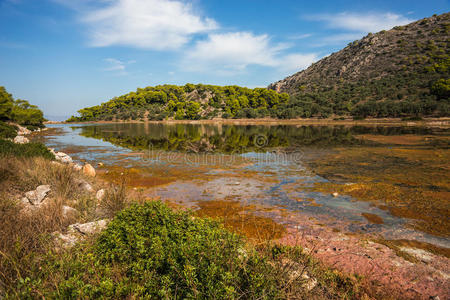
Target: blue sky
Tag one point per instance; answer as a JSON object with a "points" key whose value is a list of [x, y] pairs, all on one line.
{"points": [[63, 55]]}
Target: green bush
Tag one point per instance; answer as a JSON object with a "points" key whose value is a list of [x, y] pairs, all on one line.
{"points": [[7, 131], [24, 150], [173, 255]]}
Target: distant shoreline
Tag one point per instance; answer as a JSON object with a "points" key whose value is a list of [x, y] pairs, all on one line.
{"points": [[445, 122]]}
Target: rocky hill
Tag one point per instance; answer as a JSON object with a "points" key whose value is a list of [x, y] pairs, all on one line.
{"points": [[399, 72]]}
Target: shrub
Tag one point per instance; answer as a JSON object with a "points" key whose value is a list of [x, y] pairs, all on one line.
{"points": [[170, 254], [7, 131], [24, 150]]}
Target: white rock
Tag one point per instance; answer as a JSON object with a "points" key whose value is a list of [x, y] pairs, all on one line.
{"points": [[89, 228], [63, 157], [66, 240], [310, 282], [20, 139], [84, 185], [77, 167], [68, 211], [100, 194], [335, 194], [22, 130], [37, 196]]}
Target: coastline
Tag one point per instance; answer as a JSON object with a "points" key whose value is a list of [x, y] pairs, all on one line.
{"points": [[438, 122]]}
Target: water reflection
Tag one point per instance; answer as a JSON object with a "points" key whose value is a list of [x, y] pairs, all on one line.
{"points": [[231, 138]]}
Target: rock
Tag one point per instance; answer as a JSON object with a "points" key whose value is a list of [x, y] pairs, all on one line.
{"points": [[77, 167], [63, 157], [310, 282], [100, 164], [88, 170], [84, 185], [89, 228], [21, 140], [22, 130], [68, 211], [335, 194], [37, 196], [66, 240], [100, 194]]}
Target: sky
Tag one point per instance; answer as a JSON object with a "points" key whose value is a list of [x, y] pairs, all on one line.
{"points": [[63, 55]]}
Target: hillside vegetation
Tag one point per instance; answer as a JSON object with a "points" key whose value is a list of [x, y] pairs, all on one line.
{"points": [[396, 73], [17, 111], [189, 102]]}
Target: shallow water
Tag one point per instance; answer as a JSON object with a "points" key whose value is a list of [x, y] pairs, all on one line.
{"points": [[271, 171]]}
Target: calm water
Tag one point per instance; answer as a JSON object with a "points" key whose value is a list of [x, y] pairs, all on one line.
{"points": [[291, 168]]}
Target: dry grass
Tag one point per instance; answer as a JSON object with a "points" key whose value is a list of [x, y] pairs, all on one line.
{"points": [[25, 234], [115, 199]]}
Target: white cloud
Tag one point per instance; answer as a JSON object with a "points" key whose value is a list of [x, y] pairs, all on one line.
{"points": [[300, 36], [362, 22], [296, 61], [148, 24], [229, 53], [117, 66]]}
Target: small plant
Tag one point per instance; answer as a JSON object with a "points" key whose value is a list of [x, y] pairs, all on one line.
{"points": [[24, 150]]}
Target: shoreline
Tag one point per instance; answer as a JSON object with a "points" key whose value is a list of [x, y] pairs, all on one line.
{"points": [[444, 122]]}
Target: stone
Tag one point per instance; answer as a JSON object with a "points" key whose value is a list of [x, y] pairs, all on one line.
{"points": [[37, 196], [22, 130], [89, 228], [335, 194], [20, 139], [100, 194], [84, 185], [100, 164], [63, 157], [77, 167], [68, 211], [88, 170], [66, 240], [310, 282]]}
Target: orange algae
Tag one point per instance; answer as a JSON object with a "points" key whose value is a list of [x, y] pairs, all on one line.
{"points": [[410, 183], [372, 218], [241, 219]]}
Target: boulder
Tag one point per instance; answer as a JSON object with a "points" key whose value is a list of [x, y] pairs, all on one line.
{"points": [[100, 194], [37, 196], [88, 228], [20, 139], [68, 211], [22, 130], [77, 231], [88, 170], [84, 185], [77, 167], [63, 157]]}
